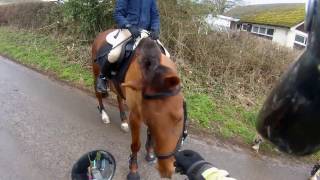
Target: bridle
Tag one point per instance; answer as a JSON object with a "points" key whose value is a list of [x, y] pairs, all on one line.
{"points": [[184, 133], [181, 138]]}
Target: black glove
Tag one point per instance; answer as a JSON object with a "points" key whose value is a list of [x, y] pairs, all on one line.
{"points": [[154, 35], [185, 159], [190, 163], [134, 30]]}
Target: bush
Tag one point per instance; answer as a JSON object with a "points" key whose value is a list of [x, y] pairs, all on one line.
{"points": [[91, 16], [232, 65], [29, 15]]}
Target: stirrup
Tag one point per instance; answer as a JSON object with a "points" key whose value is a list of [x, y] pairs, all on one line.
{"points": [[101, 85]]}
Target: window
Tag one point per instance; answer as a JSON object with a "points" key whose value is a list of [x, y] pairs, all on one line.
{"points": [[262, 30], [301, 40], [244, 27], [270, 32]]}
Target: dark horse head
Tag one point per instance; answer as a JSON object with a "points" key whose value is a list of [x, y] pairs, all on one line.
{"points": [[290, 117]]}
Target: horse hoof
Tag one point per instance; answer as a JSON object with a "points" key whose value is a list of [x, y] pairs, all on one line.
{"points": [[125, 127], [151, 158], [313, 177], [133, 176], [105, 117], [256, 148]]}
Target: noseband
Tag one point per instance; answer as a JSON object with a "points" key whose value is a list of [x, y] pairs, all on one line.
{"points": [[184, 133]]}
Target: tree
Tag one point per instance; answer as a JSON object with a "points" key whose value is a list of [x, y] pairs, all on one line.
{"points": [[220, 6]]}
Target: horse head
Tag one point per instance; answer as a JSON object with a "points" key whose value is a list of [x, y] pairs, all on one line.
{"points": [[161, 103]]}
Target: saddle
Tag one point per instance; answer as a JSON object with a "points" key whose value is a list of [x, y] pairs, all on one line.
{"points": [[119, 69]]}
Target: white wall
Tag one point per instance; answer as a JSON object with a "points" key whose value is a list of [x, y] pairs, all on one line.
{"points": [[216, 22], [290, 38], [280, 36], [286, 37]]}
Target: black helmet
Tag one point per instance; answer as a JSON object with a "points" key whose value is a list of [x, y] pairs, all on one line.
{"points": [[290, 117], [99, 161]]}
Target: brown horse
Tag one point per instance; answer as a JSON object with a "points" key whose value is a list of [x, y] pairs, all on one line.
{"points": [[152, 92]]}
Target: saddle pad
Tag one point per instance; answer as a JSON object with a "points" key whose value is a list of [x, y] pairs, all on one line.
{"points": [[117, 36], [120, 36]]}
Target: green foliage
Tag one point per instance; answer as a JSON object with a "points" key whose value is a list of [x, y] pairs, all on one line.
{"points": [[201, 108], [91, 16]]}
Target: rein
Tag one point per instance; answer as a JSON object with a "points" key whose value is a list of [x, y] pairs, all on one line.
{"points": [[181, 139]]}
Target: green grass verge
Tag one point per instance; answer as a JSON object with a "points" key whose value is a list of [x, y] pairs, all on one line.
{"points": [[224, 118], [44, 53]]}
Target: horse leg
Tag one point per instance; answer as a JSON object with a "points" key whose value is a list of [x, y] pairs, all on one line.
{"points": [[135, 146], [315, 171], [123, 116], [96, 70], [257, 142], [104, 116], [150, 157]]}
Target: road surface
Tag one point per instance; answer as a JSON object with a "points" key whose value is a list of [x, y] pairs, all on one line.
{"points": [[45, 126]]}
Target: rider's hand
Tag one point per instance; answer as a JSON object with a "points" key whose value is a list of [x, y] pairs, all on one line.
{"points": [[154, 35], [190, 163], [134, 30], [185, 159]]}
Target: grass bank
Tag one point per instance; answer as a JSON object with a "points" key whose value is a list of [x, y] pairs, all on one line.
{"points": [[43, 53]]}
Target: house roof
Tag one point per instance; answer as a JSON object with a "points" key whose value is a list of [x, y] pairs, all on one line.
{"points": [[283, 15], [228, 18]]}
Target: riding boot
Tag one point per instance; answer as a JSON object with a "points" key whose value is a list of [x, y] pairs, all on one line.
{"points": [[102, 84]]}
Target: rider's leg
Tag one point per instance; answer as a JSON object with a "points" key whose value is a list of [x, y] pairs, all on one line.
{"points": [[102, 78], [117, 39]]}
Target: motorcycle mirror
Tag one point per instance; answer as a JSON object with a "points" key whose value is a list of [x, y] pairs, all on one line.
{"points": [[98, 164]]}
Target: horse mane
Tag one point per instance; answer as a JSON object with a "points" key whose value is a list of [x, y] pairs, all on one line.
{"points": [[152, 71]]}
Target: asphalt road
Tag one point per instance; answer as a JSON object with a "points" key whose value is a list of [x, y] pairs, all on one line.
{"points": [[45, 126]]}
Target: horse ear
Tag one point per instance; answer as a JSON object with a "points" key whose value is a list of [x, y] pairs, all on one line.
{"points": [[171, 81], [135, 85]]}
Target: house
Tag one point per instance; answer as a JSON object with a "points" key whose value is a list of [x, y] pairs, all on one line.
{"points": [[281, 23], [221, 23]]}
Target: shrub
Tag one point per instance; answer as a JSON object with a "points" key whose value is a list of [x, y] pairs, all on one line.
{"points": [[91, 16], [29, 15]]}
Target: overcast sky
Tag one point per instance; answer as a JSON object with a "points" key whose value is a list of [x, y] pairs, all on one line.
{"points": [[273, 1]]}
